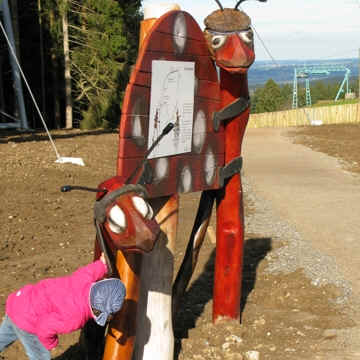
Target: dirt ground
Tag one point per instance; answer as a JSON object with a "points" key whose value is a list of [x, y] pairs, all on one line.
{"points": [[47, 233]]}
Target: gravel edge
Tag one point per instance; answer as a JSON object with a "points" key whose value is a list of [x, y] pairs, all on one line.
{"points": [[293, 251]]}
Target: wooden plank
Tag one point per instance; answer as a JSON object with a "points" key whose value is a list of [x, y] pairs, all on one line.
{"points": [[201, 142], [179, 173], [136, 100], [136, 125], [204, 66], [159, 41], [205, 108], [204, 88], [192, 171], [166, 24], [208, 89]]}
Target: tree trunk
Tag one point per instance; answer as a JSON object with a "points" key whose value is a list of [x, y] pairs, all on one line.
{"points": [[55, 82], [69, 119], [2, 97], [42, 61]]}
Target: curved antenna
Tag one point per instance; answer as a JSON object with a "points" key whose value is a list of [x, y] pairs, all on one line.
{"points": [[240, 1], [221, 7]]}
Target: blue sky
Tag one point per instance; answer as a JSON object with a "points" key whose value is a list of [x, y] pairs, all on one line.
{"points": [[294, 29]]}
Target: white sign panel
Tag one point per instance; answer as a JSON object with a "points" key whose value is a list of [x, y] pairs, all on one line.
{"points": [[172, 100]]}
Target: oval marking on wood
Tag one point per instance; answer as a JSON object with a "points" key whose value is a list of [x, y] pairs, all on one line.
{"points": [[209, 166], [199, 131], [161, 169], [179, 33], [186, 180]]}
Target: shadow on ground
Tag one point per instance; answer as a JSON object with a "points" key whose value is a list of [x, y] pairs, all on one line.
{"points": [[25, 136], [201, 290]]}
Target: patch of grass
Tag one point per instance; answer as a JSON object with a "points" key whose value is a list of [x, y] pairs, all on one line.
{"points": [[334, 103]]}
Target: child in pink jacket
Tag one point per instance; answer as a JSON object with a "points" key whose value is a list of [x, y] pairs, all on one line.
{"points": [[37, 313]]}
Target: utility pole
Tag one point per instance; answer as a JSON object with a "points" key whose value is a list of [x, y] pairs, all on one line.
{"points": [[359, 77], [9, 35], [358, 107]]}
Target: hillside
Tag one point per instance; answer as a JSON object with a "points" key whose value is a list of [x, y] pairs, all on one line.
{"points": [[283, 71]]}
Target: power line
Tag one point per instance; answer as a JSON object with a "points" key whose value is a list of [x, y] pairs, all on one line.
{"points": [[263, 44], [265, 47]]}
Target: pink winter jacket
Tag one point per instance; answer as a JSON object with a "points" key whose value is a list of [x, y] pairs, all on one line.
{"points": [[55, 306]]}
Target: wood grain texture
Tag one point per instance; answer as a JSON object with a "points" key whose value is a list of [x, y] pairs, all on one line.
{"points": [[162, 43]]}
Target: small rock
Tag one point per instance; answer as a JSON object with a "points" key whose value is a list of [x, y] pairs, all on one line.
{"points": [[232, 356], [225, 346], [261, 321], [330, 334], [234, 339], [198, 357], [252, 355]]}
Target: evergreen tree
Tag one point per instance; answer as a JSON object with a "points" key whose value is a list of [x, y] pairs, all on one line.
{"points": [[286, 96], [104, 38], [268, 98]]}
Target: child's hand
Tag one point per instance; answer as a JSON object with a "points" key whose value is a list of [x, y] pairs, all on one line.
{"points": [[102, 258]]}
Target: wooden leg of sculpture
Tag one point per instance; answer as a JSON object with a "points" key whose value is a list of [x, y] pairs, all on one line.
{"points": [[92, 335], [120, 339], [192, 250], [154, 332], [230, 216]]}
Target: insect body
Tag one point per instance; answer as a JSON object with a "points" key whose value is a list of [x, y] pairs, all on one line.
{"points": [[230, 42]]}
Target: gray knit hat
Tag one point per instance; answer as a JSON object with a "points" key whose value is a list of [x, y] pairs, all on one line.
{"points": [[107, 296]]}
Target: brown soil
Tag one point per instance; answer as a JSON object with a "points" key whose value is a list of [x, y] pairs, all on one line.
{"points": [[47, 233]]}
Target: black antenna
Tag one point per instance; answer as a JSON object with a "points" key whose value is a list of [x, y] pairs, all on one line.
{"points": [[221, 7], [239, 2], [67, 188], [166, 130]]}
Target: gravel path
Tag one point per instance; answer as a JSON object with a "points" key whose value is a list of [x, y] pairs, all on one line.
{"points": [[294, 252], [307, 201]]}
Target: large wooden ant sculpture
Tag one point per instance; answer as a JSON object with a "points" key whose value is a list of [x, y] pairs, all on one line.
{"points": [[220, 115]]}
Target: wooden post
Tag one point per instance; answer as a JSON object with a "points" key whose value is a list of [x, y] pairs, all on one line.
{"points": [[121, 335], [143, 328], [230, 223], [154, 331]]}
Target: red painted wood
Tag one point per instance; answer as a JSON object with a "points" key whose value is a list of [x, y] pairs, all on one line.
{"points": [[163, 41], [137, 148], [204, 67], [166, 24], [208, 89], [134, 123], [230, 224], [171, 183], [136, 101], [205, 87], [202, 108]]}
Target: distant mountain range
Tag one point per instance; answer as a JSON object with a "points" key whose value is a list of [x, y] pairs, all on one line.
{"points": [[283, 71]]}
